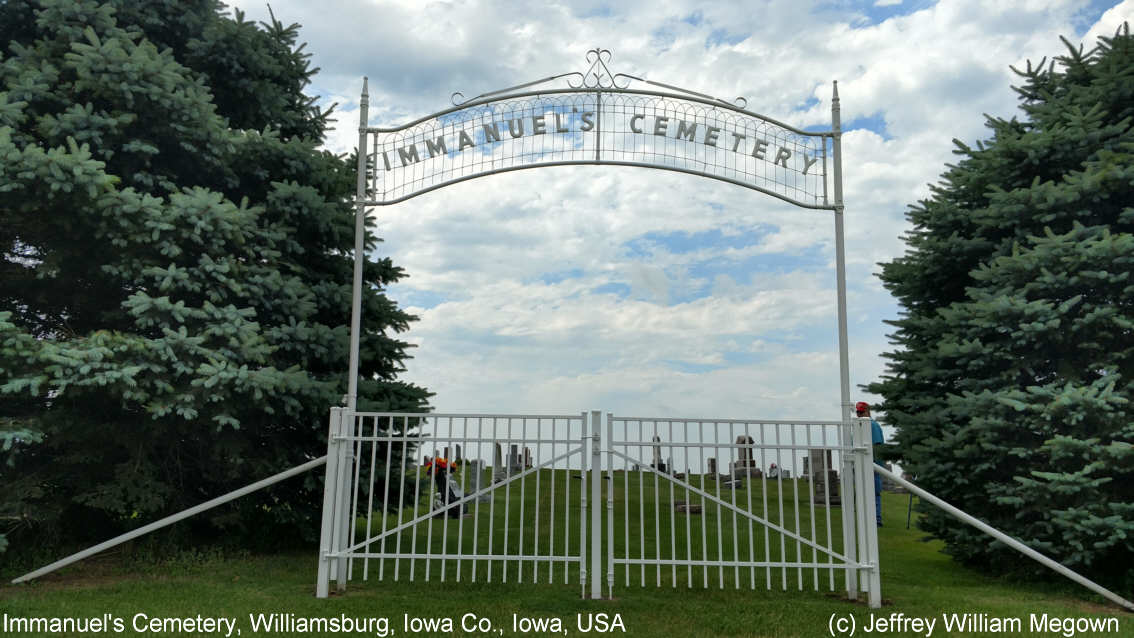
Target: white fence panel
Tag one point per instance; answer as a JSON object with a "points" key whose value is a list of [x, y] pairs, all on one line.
{"points": [[455, 497], [731, 502]]}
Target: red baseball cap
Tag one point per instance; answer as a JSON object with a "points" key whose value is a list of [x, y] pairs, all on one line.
{"points": [[861, 406]]}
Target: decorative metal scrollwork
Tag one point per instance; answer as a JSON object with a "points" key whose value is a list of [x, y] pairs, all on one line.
{"points": [[599, 75]]}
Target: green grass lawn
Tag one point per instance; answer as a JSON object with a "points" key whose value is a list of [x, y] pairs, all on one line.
{"points": [[918, 581], [540, 516]]}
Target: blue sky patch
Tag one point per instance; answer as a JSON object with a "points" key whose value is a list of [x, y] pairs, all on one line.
{"points": [[618, 289], [694, 19], [662, 39], [703, 275], [601, 11], [1086, 18], [722, 37], [874, 14], [682, 242], [810, 259], [560, 276], [407, 296], [696, 280], [691, 368], [738, 358], [875, 123]]}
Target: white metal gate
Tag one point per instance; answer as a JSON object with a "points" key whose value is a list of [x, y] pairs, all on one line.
{"points": [[509, 519], [733, 502], [689, 502]]}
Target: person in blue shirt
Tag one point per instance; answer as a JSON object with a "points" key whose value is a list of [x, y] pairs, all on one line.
{"points": [[862, 409]]}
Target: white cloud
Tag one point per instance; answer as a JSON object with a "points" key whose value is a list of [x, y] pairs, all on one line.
{"points": [[1112, 19], [540, 304]]}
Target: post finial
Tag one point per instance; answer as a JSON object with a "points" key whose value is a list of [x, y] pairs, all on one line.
{"points": [[364, 104], [835, 108]]}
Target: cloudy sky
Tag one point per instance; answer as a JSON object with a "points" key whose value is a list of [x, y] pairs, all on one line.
{"points": [[652, 293]]}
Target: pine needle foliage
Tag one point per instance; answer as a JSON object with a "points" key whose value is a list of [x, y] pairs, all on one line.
{"points": [[1013, 374], [175, 279]]}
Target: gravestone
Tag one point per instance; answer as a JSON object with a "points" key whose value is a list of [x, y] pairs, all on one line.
{"points": [[474, 475], [824, 482], [657, 463], [515, 463], [686, 508], [712, 468], [527, 458], [817, 461], [745, 466], [498, 471], [457, 456]]}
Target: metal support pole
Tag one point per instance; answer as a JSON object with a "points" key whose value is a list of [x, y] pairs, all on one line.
{"points": [[1006, 539], [873, 580], [848, 501], [344, 515], [840, 257], [169, 520], [596, 505], [610, 504], [584, 460], [330, 498], [844, 359], [598, 126], [863, 492], [359, 251]]}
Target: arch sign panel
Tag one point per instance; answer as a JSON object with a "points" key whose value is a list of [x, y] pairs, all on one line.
{"points": [[597, 118]]}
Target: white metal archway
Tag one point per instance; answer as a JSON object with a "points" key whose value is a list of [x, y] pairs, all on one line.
{"points": [[605, 118]]}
